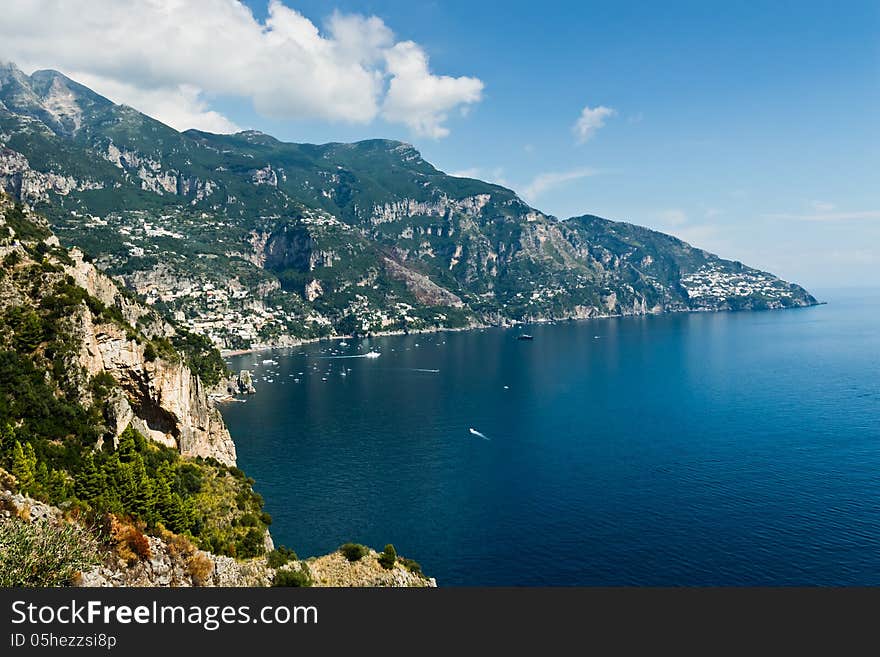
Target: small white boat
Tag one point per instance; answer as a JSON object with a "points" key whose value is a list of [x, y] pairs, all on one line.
{"points": [[343, 344], [372, 354]]}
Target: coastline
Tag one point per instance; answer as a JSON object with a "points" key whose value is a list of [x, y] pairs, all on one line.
{"points": [[296, 342]]}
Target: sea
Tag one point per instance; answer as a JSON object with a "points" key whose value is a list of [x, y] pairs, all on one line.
{"points": [[692, 449]]}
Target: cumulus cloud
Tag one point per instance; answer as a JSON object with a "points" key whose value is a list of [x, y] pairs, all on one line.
{"points": [[182, 107], [590, 120], [174, 56], [422, 100], [544, 182]]}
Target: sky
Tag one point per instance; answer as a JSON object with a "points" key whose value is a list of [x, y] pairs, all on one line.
{"points": [[748, 129]]}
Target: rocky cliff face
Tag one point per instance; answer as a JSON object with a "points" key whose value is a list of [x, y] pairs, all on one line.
{"points": [[168, 403], [161, 396]]}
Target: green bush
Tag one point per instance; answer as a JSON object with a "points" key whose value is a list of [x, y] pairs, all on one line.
{"points": [[101, 385], [411, 565], [353, 551], [298, 578], [388, 557], [280, 556], [42, 554]]}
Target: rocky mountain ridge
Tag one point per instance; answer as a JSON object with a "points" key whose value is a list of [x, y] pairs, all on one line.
{"points": [[252, 241]]}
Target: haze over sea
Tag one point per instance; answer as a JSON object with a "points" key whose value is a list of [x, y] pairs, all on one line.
{"points": [[688, 449]]}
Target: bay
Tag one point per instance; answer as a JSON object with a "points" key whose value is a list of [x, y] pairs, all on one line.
{"points": [[688, 449]]}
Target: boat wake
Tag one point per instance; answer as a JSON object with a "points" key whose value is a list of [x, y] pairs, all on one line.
{"points": [[369, 354], [478, 433]]}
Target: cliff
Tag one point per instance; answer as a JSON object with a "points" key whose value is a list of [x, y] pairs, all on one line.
{"points": [[162, 398], [113, 457]]}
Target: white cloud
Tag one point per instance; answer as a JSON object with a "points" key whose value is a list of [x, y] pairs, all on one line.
{"points": [[182, 107], [870, 215], [156, 51], [590, 120], [674, 217], [472, 172], [551, 179], [422, 100]]}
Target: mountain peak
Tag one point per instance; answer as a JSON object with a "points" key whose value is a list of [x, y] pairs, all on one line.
{"points": [[49, 96], [256, 137]]}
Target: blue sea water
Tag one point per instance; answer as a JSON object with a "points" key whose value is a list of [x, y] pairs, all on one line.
{"points": [[689, 449]]}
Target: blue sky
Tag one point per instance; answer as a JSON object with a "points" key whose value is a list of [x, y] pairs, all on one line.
{"points": [[750, 129]]}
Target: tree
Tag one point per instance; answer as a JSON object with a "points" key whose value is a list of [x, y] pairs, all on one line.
{"points": [[24, 465], [7, 439], [29, 332], [388, 557], [59, 486], [91, 482], [353, 551], [41, 478]]}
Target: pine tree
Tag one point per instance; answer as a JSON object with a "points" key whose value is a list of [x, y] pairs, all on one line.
{"points": [[29, 333], [91, 482], [137, 489], [164, 501], [41, 478], [24, 465], [7, 441], [127, 449], [59, 487]]}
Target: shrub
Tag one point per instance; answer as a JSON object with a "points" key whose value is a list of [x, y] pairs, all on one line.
{"points": [[298, 578], [101, 385], [353, 551], [131, 543], [150, 352], [280, 556], [199, 567], [43, 554], [252, 545], [388, 557], [411, 565]]}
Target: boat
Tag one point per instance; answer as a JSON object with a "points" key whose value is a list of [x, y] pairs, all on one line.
{"points": [[343, 344], [372, 354], [525, 336]]}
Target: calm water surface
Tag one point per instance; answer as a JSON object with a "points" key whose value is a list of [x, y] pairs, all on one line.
{"points": [[699, 449]]}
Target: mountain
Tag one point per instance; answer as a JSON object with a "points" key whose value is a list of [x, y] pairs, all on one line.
{"points": [[253, 241]]}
